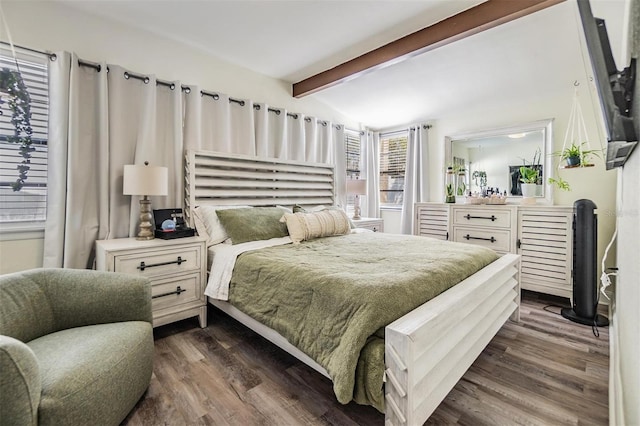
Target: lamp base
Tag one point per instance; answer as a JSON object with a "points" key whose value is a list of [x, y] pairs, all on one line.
{"points": [[146, 227], [356, 208]]}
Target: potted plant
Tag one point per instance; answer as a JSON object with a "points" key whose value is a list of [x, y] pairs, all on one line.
{"points": [[530, 175], [449, 188], [480, 179], [529, 181], [576, 156]]}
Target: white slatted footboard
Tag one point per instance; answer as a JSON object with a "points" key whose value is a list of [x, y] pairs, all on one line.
{"points": [[428, 350]]}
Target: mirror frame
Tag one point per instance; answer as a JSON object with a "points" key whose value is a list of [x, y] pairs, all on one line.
{"points": [[546, 126]]}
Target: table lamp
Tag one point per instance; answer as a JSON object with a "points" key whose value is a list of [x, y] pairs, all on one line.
{"points": [[145, 180], [356, 187]]}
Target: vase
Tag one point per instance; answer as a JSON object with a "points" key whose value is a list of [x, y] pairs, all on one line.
{"points": [[573, 161], [450, 186], [528, 189]]}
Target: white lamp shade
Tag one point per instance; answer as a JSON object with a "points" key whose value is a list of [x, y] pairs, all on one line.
{"points": [[140, 179], [357, 186]]}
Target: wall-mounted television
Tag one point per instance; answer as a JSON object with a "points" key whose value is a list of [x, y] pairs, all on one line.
{"points": [[615, 89]]}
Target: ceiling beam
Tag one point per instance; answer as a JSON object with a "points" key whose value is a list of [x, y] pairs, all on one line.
{"points": [[472, 21]]}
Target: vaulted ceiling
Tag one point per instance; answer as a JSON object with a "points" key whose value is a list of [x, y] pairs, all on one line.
{"points": [[293, 40]]}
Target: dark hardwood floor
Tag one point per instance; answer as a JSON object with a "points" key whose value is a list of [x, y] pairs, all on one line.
{"points": [[544, 370]]}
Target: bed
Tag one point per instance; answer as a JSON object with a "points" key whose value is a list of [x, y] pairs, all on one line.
{"points": [[427, 349]]}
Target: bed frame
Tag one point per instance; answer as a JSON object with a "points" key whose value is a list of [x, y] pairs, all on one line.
{"points": [[426, 351]]}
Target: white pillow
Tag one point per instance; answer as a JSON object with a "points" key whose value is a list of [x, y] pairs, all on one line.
{"points": [[325, 223], [208, 225]]}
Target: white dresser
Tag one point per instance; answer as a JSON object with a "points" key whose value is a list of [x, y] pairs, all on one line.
{"points": [[176, 268], [488, 226], [545, 241], [542, 235]]}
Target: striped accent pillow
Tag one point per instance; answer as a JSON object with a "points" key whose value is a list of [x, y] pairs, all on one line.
{"points": [[325, 223]]}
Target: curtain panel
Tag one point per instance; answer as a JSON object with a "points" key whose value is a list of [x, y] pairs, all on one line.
{"points": [[101, 121], [416, 187], [370, 143]]}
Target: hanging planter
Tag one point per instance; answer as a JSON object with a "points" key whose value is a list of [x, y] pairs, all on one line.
{"points": [[13, 88], [576, 151]]}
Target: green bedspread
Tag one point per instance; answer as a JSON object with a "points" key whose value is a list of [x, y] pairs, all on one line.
{"points": [[331, 296]]}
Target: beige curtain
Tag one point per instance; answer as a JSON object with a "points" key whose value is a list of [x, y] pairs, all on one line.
{"points": [[214, 122], [416, 187], [99, 122], [370, 149]]}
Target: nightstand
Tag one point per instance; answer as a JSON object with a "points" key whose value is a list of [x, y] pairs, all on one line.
{"points": [[375, 224], [176, 268]]}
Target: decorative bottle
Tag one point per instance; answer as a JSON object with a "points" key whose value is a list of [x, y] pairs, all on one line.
{"points": [[449, 186], [461, 183]]}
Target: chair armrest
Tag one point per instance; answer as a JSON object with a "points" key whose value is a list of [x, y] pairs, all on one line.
{"points": [[81, 297], [20, 385]]}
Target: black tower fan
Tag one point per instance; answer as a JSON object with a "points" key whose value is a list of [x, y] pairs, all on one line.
{"points": [[585, 266]]}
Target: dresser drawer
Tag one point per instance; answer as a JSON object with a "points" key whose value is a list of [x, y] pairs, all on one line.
{"points": [[490, 218], [160, 262], [496, 239], [174, 291]]}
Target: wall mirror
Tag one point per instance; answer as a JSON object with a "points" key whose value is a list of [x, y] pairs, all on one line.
{"points": [[492, 157]]}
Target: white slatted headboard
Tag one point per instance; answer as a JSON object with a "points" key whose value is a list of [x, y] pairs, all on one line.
{"points": [[216, 178]]}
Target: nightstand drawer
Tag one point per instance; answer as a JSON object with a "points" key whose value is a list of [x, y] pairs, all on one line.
{"points": [[494, 218], [174, 291], [374, 224], [496, 239], [159, 262]]}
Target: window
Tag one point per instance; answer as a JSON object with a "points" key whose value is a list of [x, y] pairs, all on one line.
{"points": [[353, 153], [393, 162], [27, 203]]}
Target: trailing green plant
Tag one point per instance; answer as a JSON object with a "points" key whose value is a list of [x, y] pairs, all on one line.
{"points": [[560, 183], [480, 176], [19, 102]]}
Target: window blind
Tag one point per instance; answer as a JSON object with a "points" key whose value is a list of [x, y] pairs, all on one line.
{"points": [[353, 153], [352, 144], [393, 162], [29, 203]]}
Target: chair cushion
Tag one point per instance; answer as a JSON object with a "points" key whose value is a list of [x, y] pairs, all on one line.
{"points": [[19, 383], [93, 374]]}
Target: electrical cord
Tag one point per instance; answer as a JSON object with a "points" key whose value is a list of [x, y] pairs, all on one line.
{"points": [[546, 308], [605, 278], [594, 326]]}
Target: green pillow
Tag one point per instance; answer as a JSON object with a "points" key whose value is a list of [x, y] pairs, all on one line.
{"points": [[258, 223]]}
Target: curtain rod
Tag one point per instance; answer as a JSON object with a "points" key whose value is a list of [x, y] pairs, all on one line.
{"points": [[53, 56], [402, 130], [169, 84]]}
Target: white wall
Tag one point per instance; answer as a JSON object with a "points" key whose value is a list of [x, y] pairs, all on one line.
{"points": [[625, 324], [624, 371], [52, 26]]}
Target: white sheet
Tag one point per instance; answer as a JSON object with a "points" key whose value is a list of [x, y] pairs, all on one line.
{"points": [[224, 260]]}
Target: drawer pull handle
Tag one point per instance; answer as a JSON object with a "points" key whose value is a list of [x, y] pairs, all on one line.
{"points": [[177, 291], [468, 237], [143, 265], [492, 218]]}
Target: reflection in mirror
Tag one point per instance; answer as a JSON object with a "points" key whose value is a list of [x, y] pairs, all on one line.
{"points": [[492, 158]]}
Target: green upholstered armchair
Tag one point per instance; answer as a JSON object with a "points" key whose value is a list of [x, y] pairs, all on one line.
{"points": [[76, 346]]}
